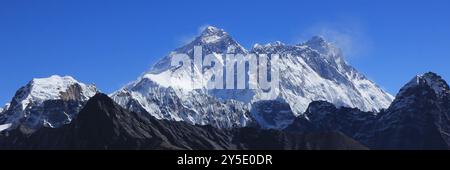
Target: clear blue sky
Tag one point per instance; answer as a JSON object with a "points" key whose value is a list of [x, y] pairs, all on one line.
{"points": [[110, 43]]}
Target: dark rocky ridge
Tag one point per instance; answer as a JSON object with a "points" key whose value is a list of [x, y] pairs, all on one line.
{"points": [[324, 116], [419, 118], [102, 124]]}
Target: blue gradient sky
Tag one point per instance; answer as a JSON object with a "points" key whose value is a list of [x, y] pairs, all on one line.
{"points": [[110, 43]]}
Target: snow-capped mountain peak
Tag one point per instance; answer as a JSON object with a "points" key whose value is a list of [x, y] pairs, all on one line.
{"points": [[310, 71], [320, 44], [50, 102], [213, 39], [430, 79], [212, 34], [329, 50], [275, 44], [42, 89], [212, 30], [317, 41]]}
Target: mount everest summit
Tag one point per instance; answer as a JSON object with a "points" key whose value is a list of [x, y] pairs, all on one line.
{"points": [[310, 71]]}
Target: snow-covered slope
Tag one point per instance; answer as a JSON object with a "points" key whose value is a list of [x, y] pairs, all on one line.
{"points": [[316, 70], [50, 102], [5, 126], [310, 71], [195, 107]]}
